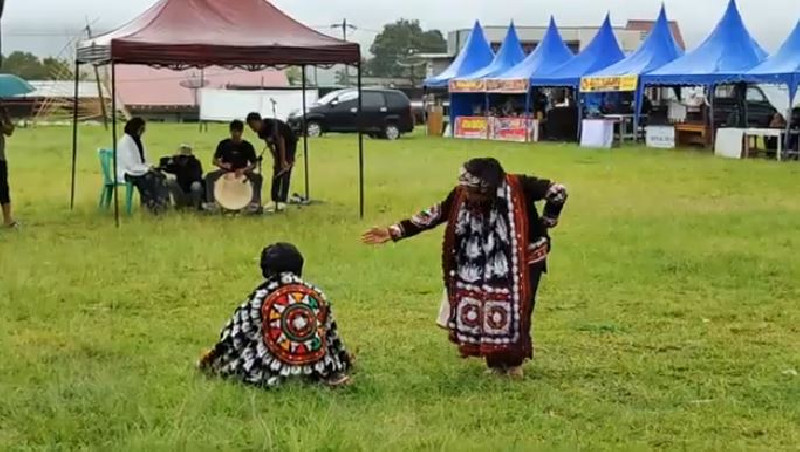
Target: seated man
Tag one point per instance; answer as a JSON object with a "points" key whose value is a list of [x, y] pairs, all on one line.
{"points": [[235, 155], [285, 328], [187, 187]]}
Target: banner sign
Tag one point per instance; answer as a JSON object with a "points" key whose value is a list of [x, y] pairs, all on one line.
{"points": [[511, 85], [472, 127], [509, 129], [660, 137], [609, 84], [468, 86]]}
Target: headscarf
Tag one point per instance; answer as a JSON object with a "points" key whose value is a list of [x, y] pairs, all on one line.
{"points": [[485, 174], [281, 258], [132, 128]]}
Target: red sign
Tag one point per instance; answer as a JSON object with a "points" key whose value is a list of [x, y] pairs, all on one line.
{"points": [[510, 129], [471, 127], [467, 86]]}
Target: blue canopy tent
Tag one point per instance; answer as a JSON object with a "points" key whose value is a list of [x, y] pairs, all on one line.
{"points": [[658, 49], [470, 89], [601, 52], [476, 54], [781, 68], [725, 54], [549, 53]]}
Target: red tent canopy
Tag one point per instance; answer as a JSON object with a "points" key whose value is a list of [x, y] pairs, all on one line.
{"points": [[216, 32]]}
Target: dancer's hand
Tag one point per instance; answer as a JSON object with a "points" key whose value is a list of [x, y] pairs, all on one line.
{"points": [[376, 236]]}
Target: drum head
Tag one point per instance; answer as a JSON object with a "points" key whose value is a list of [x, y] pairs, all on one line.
{"points": [[233, 193]]}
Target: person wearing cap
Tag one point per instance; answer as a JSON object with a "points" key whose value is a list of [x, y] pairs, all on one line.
{"points": [[494, 253], [187, 186], [285, 329], [282, 143]]}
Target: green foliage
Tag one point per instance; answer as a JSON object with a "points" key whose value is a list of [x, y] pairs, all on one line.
{"points": [[29, 67], [393, 44], [668, 319]]}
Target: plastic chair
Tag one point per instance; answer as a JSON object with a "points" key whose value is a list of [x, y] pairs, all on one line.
{"points": [[107, 192]]}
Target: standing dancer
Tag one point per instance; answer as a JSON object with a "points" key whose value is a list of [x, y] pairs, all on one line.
{"points": [[495, 247], [282, 143]]}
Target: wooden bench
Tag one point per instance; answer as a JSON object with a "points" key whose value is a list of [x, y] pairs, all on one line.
{"points": [[688, 134]]}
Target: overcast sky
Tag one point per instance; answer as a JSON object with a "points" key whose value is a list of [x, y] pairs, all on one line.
{"points": [[43, 26]]}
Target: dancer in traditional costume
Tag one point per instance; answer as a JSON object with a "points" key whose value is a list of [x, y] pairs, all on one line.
{"points": [[285, 328], [494, 253]]}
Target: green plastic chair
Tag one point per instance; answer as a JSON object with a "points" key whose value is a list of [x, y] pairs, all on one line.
{"points": [[107, 192]]}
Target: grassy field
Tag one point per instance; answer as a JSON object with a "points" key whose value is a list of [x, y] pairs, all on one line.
{"points": [[669, 319]]}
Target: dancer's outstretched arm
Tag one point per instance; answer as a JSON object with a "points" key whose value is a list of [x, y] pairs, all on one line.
{"points": [[425, 220]]}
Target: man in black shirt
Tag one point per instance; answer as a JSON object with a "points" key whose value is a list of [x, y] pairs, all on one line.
{"points": [[236, 155], [282, 143], [187, 187]]}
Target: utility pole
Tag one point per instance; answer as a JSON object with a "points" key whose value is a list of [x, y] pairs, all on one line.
{"points": [[344, 25]]}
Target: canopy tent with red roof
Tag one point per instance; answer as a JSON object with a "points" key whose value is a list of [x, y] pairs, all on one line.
{"points": [[249, 34]]}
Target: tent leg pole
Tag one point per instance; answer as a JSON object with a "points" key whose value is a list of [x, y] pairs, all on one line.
{"points": [[114, 141], [74, 136], [360, 147], [305, 136], [711, 92]]}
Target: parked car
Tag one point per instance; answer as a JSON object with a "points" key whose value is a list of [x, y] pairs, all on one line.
{"points": [[759, 109], [385, 113]]}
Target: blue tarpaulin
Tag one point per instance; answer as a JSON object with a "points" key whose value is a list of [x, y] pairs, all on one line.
{"points": [[658, 49], [510, 55], [550, 53], [781, 68], [602, 52], [727, 52], [476, 54]]}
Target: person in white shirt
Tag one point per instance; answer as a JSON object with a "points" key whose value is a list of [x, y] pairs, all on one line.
{"points": [[132, 166]]}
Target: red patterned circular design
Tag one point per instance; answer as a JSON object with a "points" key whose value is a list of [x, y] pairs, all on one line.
{"points": [[470, 315], [497, 317], [293, 324]]}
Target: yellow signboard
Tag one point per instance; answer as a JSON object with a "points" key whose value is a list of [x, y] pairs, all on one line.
{"points": [[609, 84], [468, 86], [515, 85]]}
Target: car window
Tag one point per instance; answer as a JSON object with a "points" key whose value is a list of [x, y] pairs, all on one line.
{"points": [[724, 92], [396, 100], [348, 96], [755, 94], [373, 99]]}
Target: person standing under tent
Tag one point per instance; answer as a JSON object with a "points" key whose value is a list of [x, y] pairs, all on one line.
{"points": [[6, 129], [132, 166], [495, 247], [282, 143]]}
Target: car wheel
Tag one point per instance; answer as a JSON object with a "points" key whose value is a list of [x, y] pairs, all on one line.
{"points": [[313, 130], [391, 132]]}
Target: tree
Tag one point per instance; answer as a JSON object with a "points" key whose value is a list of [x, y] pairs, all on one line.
{"points": [[399, 41], [28, 66]]}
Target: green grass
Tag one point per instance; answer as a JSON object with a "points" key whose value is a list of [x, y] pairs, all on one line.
{"points": [[669, 319]]}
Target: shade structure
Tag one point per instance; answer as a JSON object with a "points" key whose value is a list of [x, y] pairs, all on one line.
{"points": [[601, 52], [724, 55], [249, 34], [550, 53], [476, 54], [11, 85], [216, 32], [510, 54], [658, 49], [783, 67]]}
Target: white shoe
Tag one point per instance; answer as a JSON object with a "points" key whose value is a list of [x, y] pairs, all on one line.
{"points": [[280, 207], [271, 207]]}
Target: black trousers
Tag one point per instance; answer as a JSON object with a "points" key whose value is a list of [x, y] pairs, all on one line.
{"points": [[5, 195], [153, 191], [280, 185]]}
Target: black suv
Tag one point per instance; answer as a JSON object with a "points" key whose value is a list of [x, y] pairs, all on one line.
{"points": [[386, 114], [759, 109]]}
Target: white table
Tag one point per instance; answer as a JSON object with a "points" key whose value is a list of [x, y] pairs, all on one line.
{"points": [[625, 132], [760, 132], [597, 133]]}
